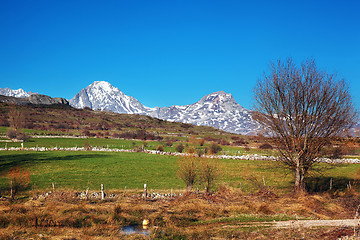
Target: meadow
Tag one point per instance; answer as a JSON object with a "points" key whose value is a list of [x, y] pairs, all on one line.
{"points": [[231, 211], [117, 170], [247, 198]]}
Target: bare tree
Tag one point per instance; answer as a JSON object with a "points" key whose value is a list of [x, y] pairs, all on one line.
{"points": [[188, 170], [209, 172], [300, 108], [16, 117]]}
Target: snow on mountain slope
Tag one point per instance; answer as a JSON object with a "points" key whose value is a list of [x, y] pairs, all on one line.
{"points": [[219, 109], [101, 95], [19, 93]]}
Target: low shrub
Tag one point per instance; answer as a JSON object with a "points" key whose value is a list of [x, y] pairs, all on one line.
{"points": [[179, 148], [215, 148], [266, 146], [22, 136], [160, 148], [19, 180], [11, 134]]}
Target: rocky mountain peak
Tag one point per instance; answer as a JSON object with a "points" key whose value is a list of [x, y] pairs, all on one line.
{"points": [[218, 109], [19, 93], [103, 85], [218, 98], [101, 95]]}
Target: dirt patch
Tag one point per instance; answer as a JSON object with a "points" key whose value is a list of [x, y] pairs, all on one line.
{"points": [[317, 223]]}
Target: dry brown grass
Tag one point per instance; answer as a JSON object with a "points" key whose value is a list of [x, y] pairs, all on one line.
{"points": [[225, 214]]}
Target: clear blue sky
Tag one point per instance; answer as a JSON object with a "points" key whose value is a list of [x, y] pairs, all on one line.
{"points": [[173, 51]]}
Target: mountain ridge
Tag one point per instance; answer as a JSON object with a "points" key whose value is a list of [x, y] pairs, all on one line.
{"points": [[101, 95], [218, 109], [18, 93]]}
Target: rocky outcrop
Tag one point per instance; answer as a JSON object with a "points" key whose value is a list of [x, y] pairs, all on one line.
{"points": [[39, 99], [35, 99]]}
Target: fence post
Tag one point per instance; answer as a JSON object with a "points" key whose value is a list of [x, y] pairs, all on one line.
{"points": [[145, 191], [11, 190], [102, 192], [124, 192], [331, 183], [264, 181]]}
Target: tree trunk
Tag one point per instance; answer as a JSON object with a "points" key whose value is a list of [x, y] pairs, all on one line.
{"points": [[299, 179]]}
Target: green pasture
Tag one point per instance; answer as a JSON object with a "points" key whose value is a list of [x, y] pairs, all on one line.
{"points": [[124, 144], [77, 142], [80, 170], [82, 142]]}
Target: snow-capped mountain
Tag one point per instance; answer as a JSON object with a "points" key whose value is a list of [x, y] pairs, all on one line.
{"points": [[101, 95], [219, 109], [19, 93]]}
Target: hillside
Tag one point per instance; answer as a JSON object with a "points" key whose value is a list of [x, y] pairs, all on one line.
{"points": [[71, 121]]}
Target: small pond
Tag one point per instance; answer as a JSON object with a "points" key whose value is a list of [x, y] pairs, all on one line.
{"points": [[135, 229]]}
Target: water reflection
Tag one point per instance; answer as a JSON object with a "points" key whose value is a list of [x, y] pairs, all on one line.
{"points": [[135, 229]]}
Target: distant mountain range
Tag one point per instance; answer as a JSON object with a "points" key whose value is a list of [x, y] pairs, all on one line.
{"points": [[218, 109], [20, 93]]}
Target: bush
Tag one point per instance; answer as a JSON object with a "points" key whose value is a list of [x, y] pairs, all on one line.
{"points": [[337, 152], [179, 148], [11, 134], [160, 148], [169, 143], [22, 136], [210, 139], [215, 148], [88, 133], [19, 180], [87, 146], [188, 171], [266, 146], [224, 142], [209, 173], [200, 152], [116, 135]]}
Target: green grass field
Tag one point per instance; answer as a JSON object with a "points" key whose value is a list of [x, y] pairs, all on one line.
{"points": [[80, 170], [79, 142], [123, 144]]}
